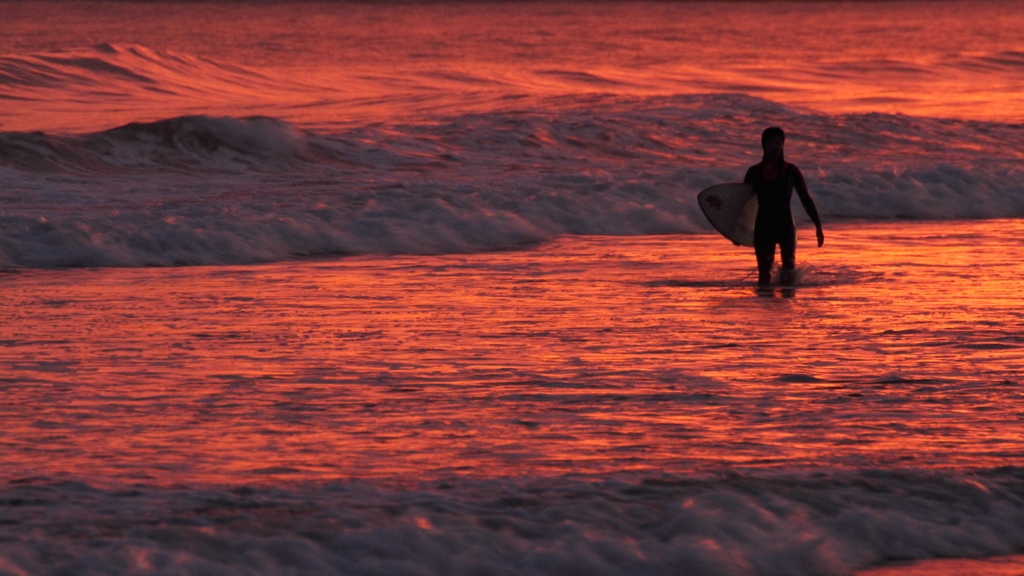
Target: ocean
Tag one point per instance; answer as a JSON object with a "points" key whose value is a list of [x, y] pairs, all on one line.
{"points": [[424, 289]]}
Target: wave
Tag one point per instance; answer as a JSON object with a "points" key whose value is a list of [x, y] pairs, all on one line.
{"points": [[111, 71], [731, 525], [219, 190], [188, 144], [1010, 61], [85, 89]]}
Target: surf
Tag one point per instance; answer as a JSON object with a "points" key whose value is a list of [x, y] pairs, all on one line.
{"points": [[202, 189]]}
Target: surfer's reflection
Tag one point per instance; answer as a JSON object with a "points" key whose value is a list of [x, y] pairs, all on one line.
{"points": [[773, 180]]}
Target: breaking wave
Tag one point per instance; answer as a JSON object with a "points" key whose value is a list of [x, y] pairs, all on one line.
{"points": [[218, 190], [733, 525]]}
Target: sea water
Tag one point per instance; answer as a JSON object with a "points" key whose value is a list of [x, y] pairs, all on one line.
{"points": [[335, 288]]}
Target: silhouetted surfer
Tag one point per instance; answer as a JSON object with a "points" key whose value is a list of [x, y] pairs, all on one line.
{"points": [[773, 180]]}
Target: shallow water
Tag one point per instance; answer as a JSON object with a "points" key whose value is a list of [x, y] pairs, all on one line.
{"points": [[901, 347], [630, 405]]}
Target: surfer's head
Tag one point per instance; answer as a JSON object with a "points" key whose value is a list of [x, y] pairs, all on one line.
{"points": [[772, 140], [772, 132]]}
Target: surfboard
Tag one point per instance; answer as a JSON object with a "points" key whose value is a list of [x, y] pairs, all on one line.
{"points": [[731, 209]]}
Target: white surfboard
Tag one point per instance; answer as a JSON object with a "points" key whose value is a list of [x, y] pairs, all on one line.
{"points": [[731, 209]]}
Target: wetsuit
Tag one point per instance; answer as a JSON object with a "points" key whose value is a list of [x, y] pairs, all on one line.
{"points": [[774, 223]]}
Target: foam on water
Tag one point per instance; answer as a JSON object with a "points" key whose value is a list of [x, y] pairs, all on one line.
{"points": [[728, 525], [205, 190]]}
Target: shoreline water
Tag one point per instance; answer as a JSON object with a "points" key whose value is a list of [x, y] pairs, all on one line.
{"points": [[534, 359], [414, 361]]}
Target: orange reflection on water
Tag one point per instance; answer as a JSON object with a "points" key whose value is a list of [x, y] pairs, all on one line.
{"points": [[588, 355], [332, 64]]}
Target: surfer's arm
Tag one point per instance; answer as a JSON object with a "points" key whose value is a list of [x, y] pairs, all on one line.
{"points": [[805, 199]]}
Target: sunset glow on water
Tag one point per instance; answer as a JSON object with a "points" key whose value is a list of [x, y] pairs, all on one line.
{"points": [[588, 355], [385, 289], [320, 64]]}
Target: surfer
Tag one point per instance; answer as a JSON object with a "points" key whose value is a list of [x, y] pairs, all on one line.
{"points": [[773, 180]]}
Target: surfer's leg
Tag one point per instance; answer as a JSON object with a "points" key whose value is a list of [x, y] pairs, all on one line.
{"points": [[787, 249], [765, 251]]}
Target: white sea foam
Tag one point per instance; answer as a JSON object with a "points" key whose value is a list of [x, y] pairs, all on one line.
{"points": [[733, 525], [205, 190]]}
